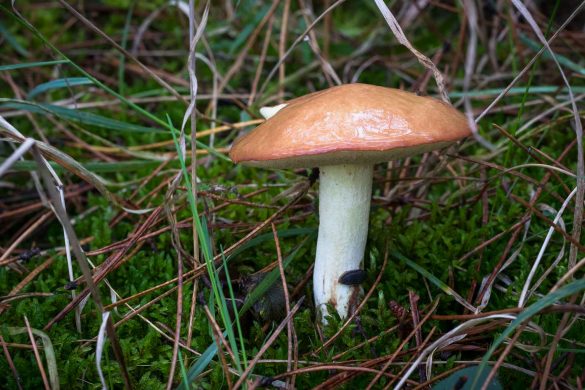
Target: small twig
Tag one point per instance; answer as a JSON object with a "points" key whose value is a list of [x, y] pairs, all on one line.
{"points": [[502, 356], [484, 222], [561, 308], [290, 324], [10, 363], [221, 341], [260, 66], [337, 367], [37, 355], [413, 298], [281, 46], [421, 368]]}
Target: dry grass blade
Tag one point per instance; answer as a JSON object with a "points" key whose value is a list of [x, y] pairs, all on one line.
{"points": [[524, 294], [65, 161], [99, 349], [471, 13], [61, 214], [176, 242], [281, 44], [194, 36], [258, 73], [328, 71], [568, 275], [424, 60], [191, 66], [47, 348], [17, 155], [414, 298], [241, 57]]}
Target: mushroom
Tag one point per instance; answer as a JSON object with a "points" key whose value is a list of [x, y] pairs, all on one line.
{"points": [[344, 131]]}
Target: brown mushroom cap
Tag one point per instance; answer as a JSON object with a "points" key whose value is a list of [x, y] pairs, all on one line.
{"points": [[352, 123]]}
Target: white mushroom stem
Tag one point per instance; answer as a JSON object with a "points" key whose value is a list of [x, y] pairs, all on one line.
{"points": [[344, 208]]}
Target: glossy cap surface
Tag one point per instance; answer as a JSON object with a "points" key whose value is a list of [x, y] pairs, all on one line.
{"points": [[352, 123]]}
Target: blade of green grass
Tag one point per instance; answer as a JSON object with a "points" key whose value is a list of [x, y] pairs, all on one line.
{"points": [[27, 65], [541, 89], [83, 117], [57, 84], [532, 45], [454, 380], [200, 365], [235, 310], [11, 40], [204, 243], [183, 371], [99, 167], [124, 43], [221, 302], [247, 30]]}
